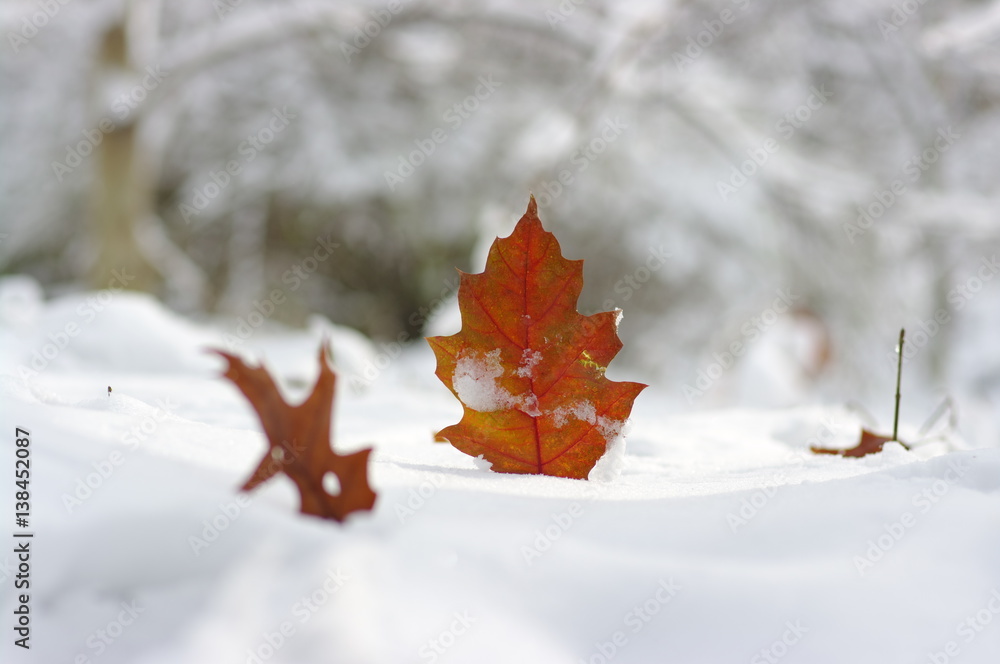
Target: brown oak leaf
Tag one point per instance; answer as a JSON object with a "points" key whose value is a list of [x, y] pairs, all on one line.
{"points": [[870, 444], [299, 442], [527, 367]]}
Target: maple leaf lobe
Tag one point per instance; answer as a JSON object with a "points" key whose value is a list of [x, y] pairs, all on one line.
{"points": [[527, 367]]}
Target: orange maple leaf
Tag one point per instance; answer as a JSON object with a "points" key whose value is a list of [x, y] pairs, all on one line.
{"points": [[527, 367], [870, 444], [299, 442]]}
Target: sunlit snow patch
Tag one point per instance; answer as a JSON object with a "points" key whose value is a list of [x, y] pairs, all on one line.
{"points": [[475, 382], [528, 361], [609, 467], [609, 428], [481, 462]]}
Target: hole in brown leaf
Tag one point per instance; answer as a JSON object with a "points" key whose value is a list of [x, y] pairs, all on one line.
{"points": [[331, 484]]}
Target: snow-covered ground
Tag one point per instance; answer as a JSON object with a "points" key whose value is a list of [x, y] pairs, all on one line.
{"points": [[723, 539]]}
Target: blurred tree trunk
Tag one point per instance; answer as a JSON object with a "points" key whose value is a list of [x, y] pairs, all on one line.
{"points": [[122, 191]]}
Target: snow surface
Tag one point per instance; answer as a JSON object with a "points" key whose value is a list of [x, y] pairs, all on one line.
{"points": [[721, 540]]}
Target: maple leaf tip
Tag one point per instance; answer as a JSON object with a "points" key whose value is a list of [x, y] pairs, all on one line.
{"points": [[230, 359], [532, 205], [529, 221], [324, 348]]}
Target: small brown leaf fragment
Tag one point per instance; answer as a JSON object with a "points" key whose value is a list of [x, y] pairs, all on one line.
{"points": [[299, 442], [870, 443]]}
